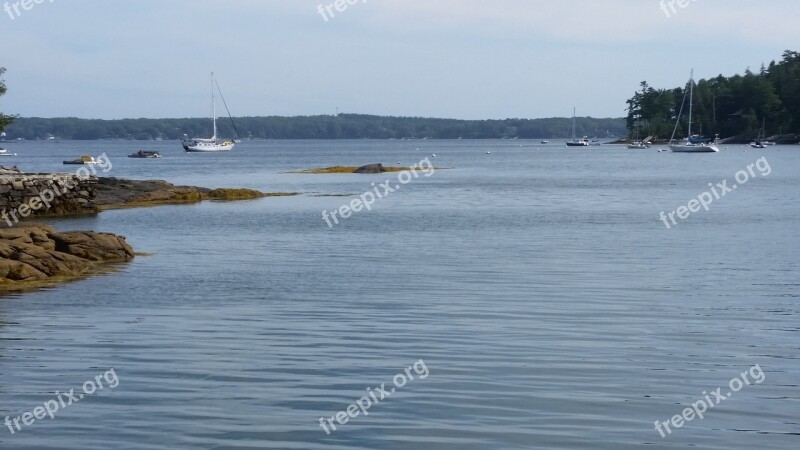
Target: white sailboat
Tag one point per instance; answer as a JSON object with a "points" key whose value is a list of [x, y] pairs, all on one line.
{"points": [[212, 144], [761, 141], [688, 146], [575, 142], [637, 144]]}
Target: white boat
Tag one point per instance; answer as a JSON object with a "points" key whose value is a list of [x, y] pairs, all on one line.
{"points": [[4, 152], [212, 144], [761, 140], [687, 146], [637, 144], [575, 142]]}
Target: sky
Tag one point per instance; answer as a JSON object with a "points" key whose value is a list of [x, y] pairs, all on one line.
{"points": [[464, 59]]}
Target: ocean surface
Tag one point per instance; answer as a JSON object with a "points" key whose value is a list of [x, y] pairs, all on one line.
{"points": [[545, 303]]}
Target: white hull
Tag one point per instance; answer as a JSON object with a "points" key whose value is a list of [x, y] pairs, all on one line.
{"points": [[209, 148], [694, 148]]}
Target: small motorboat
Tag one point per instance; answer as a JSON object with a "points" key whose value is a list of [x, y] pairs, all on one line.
{"points": [[638, 145], [145, 154], [83, 160], [4, 152]]}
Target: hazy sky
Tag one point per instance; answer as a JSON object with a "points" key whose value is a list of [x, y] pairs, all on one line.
{"points": [[442, 58]]}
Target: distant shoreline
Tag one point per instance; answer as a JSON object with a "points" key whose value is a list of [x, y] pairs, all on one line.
{"points": [[341, 126]]}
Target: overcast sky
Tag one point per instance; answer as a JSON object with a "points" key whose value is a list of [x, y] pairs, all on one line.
{"points": [[469, 59]]}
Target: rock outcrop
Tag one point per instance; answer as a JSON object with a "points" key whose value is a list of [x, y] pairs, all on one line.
{"points": [[33, 255], [120, 193], [371, 168]]}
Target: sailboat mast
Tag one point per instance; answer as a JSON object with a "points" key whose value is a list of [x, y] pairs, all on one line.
{"points": [[691, 99], [573, 123], [213, 107]]}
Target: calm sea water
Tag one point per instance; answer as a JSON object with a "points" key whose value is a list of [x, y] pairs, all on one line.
{"points": [[550, 305]]}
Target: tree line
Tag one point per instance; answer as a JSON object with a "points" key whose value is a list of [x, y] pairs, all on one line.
{"points": [[736, 106], [342, 126], [4, 119]]}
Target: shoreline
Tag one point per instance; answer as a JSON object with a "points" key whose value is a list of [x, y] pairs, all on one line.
{"points": [[33, 255], [119, 193]]}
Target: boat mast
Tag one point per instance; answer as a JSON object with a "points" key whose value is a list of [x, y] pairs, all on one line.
{"points": [[691, 99], [573, 124], [213, 108]]}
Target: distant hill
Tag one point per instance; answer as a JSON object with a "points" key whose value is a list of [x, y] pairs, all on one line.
{"points": [[343, 126]]}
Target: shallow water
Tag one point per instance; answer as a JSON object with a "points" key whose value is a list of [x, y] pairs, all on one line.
{"points": [[550, 305]]}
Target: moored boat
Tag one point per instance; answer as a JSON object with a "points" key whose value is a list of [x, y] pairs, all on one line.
{"points": [[637, 144], [145, 154], [83, 160], [575, 142], [212, 144], [761, 140], [687, 146]]}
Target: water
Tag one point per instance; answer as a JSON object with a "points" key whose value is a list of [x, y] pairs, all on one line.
{"points": [[550, 305]]}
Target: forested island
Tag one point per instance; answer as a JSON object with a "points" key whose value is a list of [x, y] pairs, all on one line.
{"points": [[733, 107], [342, 126]]}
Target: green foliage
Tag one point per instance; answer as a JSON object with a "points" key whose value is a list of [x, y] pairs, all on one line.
{"points": [[4, 119], [344, 126], [732, 106]]}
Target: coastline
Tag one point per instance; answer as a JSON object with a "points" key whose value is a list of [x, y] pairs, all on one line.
{"points": [[119, 193], [34, 255]]}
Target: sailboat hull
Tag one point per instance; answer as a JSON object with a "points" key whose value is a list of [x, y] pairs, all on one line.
{"points": [[208, 148], [694, 148]]}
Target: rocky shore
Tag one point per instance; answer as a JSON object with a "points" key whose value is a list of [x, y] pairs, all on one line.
{"points": [[116, 193], [35, 255]]}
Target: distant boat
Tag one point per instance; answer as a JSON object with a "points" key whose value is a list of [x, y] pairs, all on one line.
{"points": [[637, 144], [4, 152], [145, 154], [212, 144], [545, 142], [688, 146], [761, 140], [83, 160], [575, 142]]}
